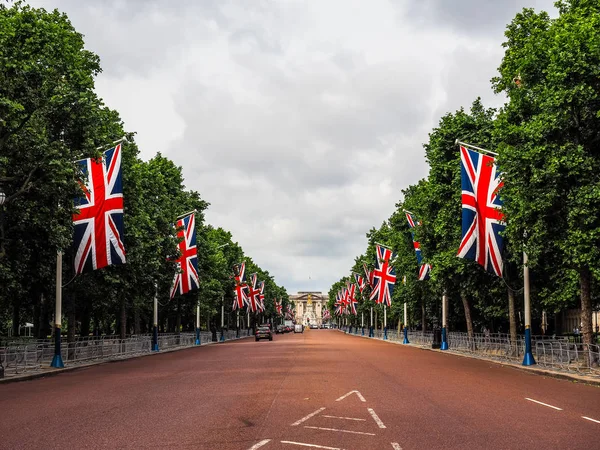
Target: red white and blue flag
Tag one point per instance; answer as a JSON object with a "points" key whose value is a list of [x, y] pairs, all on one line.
{"points": [[241, 288], [98, 223], [289, 314], [360, 282], [384, 277], [424, 269], [186, 278], [278, 307], [261, 296], [326, 314], [253, 293], [369, 275], [482, 218], [352, 301]]}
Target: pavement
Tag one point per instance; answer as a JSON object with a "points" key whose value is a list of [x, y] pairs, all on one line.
{"points": [[320, 389]]}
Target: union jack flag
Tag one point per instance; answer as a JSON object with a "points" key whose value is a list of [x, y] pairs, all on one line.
{"points": [[384, 277], [289, 314], [98, 223], [241, 288], [352, 301], [186, 279], [339, 304], [482, 218], [278, 307], [253, 293], [326, 314], [424, 269], [369, 275], [261, 297], [360, 282]]}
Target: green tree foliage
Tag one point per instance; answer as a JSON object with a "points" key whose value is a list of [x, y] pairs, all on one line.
{"points": [[50, 117]]}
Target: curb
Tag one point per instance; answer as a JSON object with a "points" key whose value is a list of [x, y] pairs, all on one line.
{"points": [[49, 372], [532, 370]]}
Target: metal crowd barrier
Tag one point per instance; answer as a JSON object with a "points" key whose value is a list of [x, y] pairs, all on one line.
{"points": [[20, 356], [556, 353]]}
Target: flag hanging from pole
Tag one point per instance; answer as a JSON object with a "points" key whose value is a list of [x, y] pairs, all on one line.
{"points": [[384, 276], [186, 278], [241, 288], [98, 222], [360, 282], [253, 293], [369, 275], [424, 269], [352, 301], [482, 218]]}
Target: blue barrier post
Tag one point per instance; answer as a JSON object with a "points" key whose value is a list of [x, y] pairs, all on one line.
{"points": [[444, 344], [405, 341]]}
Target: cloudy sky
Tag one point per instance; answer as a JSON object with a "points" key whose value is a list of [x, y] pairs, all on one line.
{"points": [[300, 121]]}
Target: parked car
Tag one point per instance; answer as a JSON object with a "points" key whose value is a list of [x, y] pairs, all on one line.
{"points": [[299, 328], [280, 329], [313, 326], [263, 333]]}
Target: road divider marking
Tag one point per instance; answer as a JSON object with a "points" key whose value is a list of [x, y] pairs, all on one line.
{"points": [[376, 418], [260, 444], [545, 404], [590, 419], [310, 445], [341, 431], [396, 446], [298, 422], [362, 399], [345, 418]]}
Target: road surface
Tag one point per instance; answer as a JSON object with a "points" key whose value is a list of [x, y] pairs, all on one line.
{"points": [[317, 390]]}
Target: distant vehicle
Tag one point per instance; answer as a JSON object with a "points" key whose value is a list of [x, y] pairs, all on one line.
{"points": [[263, 333], [326, 325], [280, 329], [289, 323], [299, 328], [313, 326]]}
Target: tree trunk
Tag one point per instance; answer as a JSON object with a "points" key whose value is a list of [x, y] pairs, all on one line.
{"points": [[16, 317], [85, 320], [137, 328], [123, 319], [468, 318], [512, 318]]}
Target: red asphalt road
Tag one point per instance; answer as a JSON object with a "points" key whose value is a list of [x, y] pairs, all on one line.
{"points": [[245, 394]]}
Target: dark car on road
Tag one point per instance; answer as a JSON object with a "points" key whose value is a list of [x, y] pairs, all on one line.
{"points": [[263, 333], [280, 329]]}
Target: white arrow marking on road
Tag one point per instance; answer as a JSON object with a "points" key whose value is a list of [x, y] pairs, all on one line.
{"points": [[341, 431], [362, 399], [260, 444], [376, 418], [311, 445], [308, 417], [396, 446]]}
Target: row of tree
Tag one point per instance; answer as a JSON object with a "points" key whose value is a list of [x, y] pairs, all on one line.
{"points": [[50, 117], [547, 136]]}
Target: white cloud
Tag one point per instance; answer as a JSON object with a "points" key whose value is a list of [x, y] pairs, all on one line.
{"points": [[299, 121]]}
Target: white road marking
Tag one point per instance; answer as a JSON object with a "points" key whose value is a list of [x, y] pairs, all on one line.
{"points": [[396, 446], [545, 404], [376, 418], [362, 399], [260, 444], [308, 417], [346, 418], [341, 431], [590, 419], [311, 445]]}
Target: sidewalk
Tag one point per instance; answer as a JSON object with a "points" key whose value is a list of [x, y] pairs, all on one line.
{"points": [[47, 371]]}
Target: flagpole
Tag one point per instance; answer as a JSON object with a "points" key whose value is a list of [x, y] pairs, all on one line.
{"points": [[528, 359], [237, 317], [198, 323], [362, 323], [57, 360], [457, 142], [222, 317], [444, 345], [405, 341], [371, 333], [155, 328], [384, 322]]}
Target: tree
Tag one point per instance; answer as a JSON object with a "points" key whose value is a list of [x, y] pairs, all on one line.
{"points": [[550, 151]]}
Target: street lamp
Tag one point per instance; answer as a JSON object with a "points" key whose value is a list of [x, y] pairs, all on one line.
{"points": [[222, 303]]}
